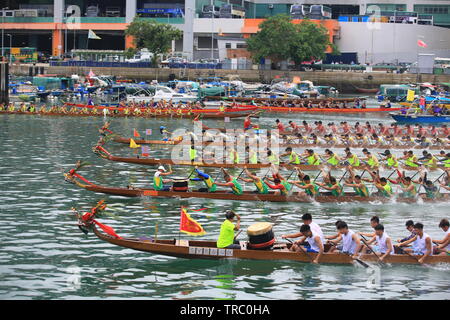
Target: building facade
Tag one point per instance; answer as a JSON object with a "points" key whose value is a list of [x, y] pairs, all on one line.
{"points": [[376, 30]]}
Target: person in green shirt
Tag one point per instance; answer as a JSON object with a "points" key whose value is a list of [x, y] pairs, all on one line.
{"points": [[231, 182], [226, 236], [293, 156], [355, 182], [261, 186]]}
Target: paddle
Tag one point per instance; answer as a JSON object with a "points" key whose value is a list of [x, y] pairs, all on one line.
{"points": [[403, 251], [365, 265], [237, 234], [192, 172], [303, 250], [371, 250]]}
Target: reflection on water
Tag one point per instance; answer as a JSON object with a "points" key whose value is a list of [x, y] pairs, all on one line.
{"points": [[43, 254]]}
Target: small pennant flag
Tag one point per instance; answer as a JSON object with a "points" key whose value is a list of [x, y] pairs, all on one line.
{"points": [[148, 132], [410, 95], [133, 144], [107, 229], [92, 35], [136, 134], [422, 44], [145, 151], [189, 225]]}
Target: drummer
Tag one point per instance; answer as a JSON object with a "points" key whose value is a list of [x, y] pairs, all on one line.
{"points": [[226, 236]]}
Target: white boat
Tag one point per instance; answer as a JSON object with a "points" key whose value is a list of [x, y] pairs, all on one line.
{"points": [[160, 93]]}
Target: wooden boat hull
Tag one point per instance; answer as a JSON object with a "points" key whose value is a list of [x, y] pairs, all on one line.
{"points": [[247, 196], [280, 251], [150, 161], [364, 90], [312, 100], [185, 116], [284, 145]]}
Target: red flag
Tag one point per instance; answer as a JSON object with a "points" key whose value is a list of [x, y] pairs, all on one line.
{"points": [[107, 230], [136, 134], [422, 44], [189, 225]]}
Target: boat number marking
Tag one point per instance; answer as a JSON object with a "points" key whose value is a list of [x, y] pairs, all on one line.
{"points": [[211, 251], [150, 193]]}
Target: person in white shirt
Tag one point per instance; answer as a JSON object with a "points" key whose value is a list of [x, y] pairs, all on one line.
{"points": [[314, 241], [384, 242], [443, 246], [421, 243]]}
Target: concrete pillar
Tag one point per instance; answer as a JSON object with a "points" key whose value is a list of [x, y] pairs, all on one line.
{"points": [[130, 11], [57, 42], [188, 30]]}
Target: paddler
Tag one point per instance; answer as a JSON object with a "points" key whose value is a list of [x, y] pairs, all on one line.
{"points": [[312, 158], [410, 227], [371, 160], [192, 153], [277, 186], [357, 184], [164, 132], [351, 243], [390, 158], [311, 188], [374, 221], [158, 182], [261, 186], [313, 239], [231, 182], [443, 246], [252, 155], [421, 243], [334, 186], [352, 159], [332, 158], [410, 159], [226, 236], [209, 182], [272, 158], [279, 126], [293, 156], [247, 123], [233, 156], [384, 187], [384, 245]]}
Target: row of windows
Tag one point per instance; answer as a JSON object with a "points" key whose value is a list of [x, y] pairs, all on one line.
{"points": [[432, 9]]}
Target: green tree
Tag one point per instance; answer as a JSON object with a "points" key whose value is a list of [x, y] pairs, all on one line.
{"points": [[278, 39], [156, 37]]}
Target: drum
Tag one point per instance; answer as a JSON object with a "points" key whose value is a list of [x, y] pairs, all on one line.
{"points": [[180, 185], [260, 236]]}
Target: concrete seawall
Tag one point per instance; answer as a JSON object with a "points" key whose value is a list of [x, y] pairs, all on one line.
{"points": [[343, 81]]}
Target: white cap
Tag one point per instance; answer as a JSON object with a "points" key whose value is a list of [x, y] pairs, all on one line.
{"points": [[161, 168]]}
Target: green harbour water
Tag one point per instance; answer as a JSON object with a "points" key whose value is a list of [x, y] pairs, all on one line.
{"points": [[42, 250]]}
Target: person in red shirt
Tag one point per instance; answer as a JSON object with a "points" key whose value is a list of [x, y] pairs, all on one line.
{"points": [[280, 126], [247, 123], [433, 131], [320, 128], [422, 131], [445, 131], [294, 126], [277, 186], [307, 128], [345, 128]]}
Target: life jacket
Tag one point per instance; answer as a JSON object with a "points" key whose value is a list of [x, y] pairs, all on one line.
{"points": [[234, 157], [333, 160], [410, 162], [354, 161], [261, 187], [392, 162], [293, 158], [313, 161], [254, 158], [362, 192], [273, 159], [192, 154], [335, 192], [409, 194], [237, 188], [387, 190]]}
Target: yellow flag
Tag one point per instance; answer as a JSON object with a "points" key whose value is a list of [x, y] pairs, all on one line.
{"points": [[133, 144], [410, 95]]}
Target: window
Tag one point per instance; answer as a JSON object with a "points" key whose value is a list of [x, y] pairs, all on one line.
{"points": [[241, 45], [228, 45]]}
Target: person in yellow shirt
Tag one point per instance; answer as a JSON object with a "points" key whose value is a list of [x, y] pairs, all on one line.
{"points": [[226, 236]]}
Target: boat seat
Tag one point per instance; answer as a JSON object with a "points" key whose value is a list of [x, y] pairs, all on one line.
{"points": [[182, 243], [243, 245]]}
